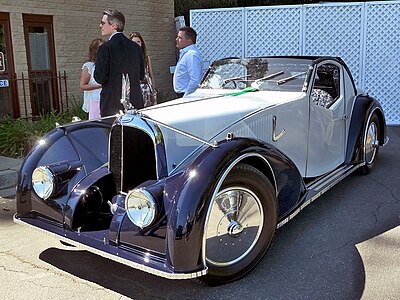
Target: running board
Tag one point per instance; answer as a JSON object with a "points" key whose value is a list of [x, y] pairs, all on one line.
{"points": [[319, 186]]}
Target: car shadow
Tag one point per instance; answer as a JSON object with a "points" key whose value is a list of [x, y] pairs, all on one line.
{"points": [[314, 256]]}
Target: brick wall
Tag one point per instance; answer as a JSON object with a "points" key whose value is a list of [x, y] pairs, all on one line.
{"points": [[76, 23]]}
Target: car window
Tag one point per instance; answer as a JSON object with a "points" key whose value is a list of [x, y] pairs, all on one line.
{"points": [[326, 86]]}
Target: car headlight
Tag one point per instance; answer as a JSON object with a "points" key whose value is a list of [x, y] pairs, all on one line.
{"points": [[140, 207], [43, 182]]}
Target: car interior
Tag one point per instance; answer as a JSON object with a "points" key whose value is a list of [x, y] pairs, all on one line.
{"points": [[326, 86]]}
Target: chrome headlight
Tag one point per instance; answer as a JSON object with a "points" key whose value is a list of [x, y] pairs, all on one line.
{"points": [[43, 182], [140, 207]]}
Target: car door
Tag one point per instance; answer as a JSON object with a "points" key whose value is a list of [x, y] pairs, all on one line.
{"points": [[327, 123]]}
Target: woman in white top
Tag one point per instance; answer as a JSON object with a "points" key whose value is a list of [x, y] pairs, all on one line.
{"points": [[91, 89]]}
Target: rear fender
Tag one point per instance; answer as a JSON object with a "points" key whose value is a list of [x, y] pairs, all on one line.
{"points": [[363, 107]]}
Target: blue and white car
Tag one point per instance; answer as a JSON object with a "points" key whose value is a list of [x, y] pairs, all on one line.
{"points": [[197, 186]]}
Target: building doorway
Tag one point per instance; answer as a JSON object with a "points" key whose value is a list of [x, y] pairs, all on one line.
{"points": [[8, 86], [39, 41]]}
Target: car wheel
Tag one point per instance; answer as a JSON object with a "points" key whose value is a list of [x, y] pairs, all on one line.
{"points": [[371, 144], [241, 223]]}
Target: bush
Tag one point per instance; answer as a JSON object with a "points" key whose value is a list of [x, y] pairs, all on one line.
{"points": [[18, 136]]}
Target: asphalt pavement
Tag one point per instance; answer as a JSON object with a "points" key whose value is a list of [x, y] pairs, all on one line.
{"points": [[345, 245]]}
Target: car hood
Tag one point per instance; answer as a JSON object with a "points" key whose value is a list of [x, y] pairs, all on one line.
{"points": [[207, 112]]}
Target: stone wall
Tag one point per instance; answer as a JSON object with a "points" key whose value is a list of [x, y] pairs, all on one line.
{"points": [[76, 23]]}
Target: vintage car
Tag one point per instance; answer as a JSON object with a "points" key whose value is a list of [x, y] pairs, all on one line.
{"points": [[196, 187]]}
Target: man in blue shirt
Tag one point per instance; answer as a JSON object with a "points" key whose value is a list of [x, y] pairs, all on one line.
{"points": [[189, 69]]}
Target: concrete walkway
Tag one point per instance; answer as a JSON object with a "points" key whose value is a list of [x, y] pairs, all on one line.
{"points": [[9, 168]]}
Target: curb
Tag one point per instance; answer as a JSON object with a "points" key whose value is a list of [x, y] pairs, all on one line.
{"points": [[8, 192], [9, 169], [8, 178]]}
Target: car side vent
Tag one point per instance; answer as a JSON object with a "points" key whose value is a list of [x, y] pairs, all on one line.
{"points": [[132, 157]]}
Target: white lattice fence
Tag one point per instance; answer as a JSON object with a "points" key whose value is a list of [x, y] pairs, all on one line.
{"points": [[382, 56], [271, 24], [365, 35], [335, 30], [221, 34]]}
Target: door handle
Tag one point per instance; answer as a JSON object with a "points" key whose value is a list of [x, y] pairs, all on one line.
{"points": [[275, 136]]}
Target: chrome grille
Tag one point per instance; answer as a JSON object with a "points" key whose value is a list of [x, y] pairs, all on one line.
{"points": [[132, 157]]}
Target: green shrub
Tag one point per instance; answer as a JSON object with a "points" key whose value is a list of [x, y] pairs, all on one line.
{"points": [[14, 135], [18, 136]]}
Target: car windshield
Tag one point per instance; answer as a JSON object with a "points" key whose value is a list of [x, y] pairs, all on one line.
{"points": [[264, 74]]}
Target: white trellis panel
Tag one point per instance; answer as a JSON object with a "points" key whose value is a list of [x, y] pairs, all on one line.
{"points": [[335, 30], [220, 32], [382, 56], [366, 35], [273, 31]]}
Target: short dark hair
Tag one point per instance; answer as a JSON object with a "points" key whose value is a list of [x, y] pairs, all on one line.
{"points": [[115, 17], [190, 33]]}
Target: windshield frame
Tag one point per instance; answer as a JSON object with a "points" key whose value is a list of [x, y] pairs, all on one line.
{"points": [[261, 73]]}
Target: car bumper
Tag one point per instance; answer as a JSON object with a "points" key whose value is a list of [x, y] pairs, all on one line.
{"points": [[97, 243]]}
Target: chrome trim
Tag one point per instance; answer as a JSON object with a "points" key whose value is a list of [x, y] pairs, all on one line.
{"points": [[284, 80], [214, 144], [229, 136], [324, 186], [121, 171], [386, 141], [216, 191], [274, 136], [320, 183], [121, 260], [150, 131]]}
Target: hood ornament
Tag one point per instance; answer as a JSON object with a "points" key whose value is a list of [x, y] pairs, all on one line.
{"points": [[125, 93]]}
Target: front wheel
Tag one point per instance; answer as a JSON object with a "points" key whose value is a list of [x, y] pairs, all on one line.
{"points": [[371, 144], [241, 223]]}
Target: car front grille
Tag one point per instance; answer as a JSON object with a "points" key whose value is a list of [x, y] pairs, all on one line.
{"points": [[132, 158]]}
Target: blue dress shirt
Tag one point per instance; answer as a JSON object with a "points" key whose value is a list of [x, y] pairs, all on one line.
{"points": [[188, 71]]}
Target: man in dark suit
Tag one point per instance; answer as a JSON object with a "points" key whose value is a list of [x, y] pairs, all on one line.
{"points": [[116, 57]]}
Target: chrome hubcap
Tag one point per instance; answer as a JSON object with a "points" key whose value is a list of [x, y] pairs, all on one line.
{"points": [[234, 226], [371, 143]]}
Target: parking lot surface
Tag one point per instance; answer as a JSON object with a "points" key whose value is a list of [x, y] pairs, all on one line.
{"points": [[345, 245]]}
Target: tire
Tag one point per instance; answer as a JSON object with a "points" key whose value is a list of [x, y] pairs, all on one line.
{"points": [[240, 226], [371, 144]]}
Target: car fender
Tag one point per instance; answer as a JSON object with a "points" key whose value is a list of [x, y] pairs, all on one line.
{"points": [[62, 150], [200, 179], [364, 106]]}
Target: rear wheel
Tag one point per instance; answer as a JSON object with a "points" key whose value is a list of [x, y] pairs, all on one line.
{"points": [[240, 226], [371, 144]]}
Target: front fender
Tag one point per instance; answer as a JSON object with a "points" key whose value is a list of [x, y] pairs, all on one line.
{"points": [[188, 194], [82, 145]]}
